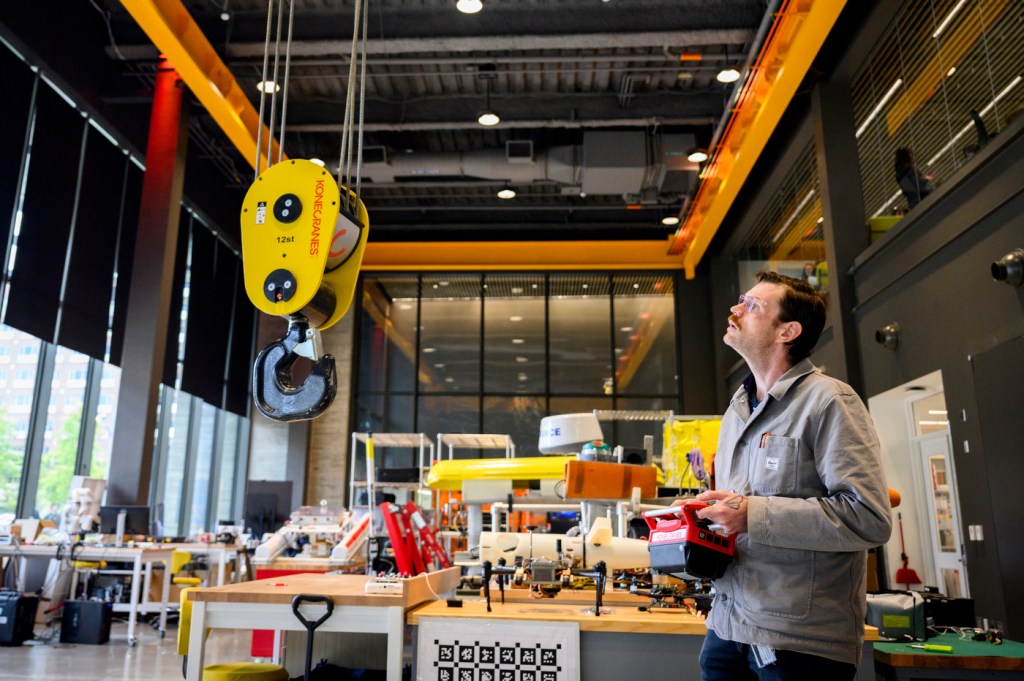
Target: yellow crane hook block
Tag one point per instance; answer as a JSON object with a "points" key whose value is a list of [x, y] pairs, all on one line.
{"points": [[301, 253]]}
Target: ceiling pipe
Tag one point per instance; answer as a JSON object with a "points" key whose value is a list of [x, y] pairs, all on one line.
{"points": [[471, 124]]}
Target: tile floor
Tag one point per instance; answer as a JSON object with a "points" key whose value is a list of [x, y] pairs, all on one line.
{"points": [[152, 659]]}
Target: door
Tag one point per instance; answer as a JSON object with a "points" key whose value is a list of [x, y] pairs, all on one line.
{"points": [[943, 512]]}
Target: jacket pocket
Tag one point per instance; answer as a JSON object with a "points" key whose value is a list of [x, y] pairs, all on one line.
{"points": [[777, 581], [775, 466]]}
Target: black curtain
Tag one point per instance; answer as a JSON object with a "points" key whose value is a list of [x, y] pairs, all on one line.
{"points": [[18, 82], [90, 273], [241, 354], [125, 247], [34, 296]]}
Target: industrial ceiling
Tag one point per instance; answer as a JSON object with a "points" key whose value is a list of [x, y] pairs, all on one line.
{"points": [[600, 102]]}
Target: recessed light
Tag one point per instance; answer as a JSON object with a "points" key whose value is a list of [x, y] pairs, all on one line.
{"points": [[522, 360], [515, 318], [728, 76], [636, 285], [523, 377], [405, 306], [626, 329], [426, 350], [518, 341], [268, 86], [517, 289], [507, 194], [439, 365], [586, 286], [469, 6], [449, 379], [488, 118], [443, 283], [670, 220]]}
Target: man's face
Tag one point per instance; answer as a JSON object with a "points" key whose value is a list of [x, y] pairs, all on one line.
{"points": [[753, 326]]}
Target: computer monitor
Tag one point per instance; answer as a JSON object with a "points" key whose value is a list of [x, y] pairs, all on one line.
{"points": [[136, 519]]}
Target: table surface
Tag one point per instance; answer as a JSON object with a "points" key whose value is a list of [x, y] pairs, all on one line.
{"points": [[967, 654], [622, 618], [342, 589]]}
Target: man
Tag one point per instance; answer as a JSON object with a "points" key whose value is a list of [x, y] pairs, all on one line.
{"points": [[799, 481]]}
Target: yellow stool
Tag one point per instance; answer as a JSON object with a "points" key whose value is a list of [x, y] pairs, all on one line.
{"points": [[227, 671]]}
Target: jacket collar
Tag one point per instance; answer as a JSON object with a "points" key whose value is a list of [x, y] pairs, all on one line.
{"points": [[782, 385]]}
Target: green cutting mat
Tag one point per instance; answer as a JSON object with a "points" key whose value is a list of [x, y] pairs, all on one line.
{"points": [[960, 647]]}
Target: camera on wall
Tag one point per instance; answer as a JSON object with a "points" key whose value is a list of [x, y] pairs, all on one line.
{"points": [[1010, 268], [888, 336]]}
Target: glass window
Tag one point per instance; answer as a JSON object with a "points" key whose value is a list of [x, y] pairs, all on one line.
{"points": [[387, 342], [450, 334], [106, 415], [645, 337], [229, 458], [579, 332], [203, 467], [939, 65], [177, 436], [14, 425], [517, 416], [385, 413], [449, 414], [514, 334], [64, 421]]}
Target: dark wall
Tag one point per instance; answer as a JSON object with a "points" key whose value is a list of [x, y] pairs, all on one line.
{"points": [[933, 277]]}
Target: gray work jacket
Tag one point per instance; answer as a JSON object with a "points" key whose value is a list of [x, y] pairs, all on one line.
{"points": [[808, 458]]}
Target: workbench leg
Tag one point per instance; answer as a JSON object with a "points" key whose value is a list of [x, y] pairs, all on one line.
{"points": [[396, 642], [196, 642], [165, 593], [133, 607]]}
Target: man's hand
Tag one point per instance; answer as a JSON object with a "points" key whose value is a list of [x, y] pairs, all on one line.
{"points": [[729, 510]]}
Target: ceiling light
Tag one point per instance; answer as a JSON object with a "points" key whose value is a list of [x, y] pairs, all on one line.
{"points": [[405, 306], [626, 329], [522, 360], [878, 107], [670, 220], [439, 365], [225, 16], [729, 75], [517, 289], [523, 377], [469, 6], [488, 118], [507, 194], [426, 350], [318, 161], [268, 86], [449, 379], [515, 318], [697, 156], [949, 17], [518, 341]]}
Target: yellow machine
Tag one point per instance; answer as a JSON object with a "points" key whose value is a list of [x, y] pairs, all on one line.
{"points": [[302, 244]]}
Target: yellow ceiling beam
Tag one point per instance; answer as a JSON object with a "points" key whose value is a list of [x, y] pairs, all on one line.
{"points": [[172, 30], [519, 255], [796, 36]]}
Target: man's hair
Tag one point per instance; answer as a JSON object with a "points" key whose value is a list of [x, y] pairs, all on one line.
{"points": [[800, 303]]}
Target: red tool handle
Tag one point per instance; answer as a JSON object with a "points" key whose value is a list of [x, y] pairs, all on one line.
{"points": [[681, 516]]}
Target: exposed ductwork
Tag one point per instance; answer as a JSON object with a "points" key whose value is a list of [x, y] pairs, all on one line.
{"points": [[639, 166]]}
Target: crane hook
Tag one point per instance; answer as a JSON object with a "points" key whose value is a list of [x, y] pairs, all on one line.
{"points": [[275, 395]]}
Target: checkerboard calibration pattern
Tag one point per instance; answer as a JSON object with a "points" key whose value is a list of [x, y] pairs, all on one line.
{"points": [[464, 660]]}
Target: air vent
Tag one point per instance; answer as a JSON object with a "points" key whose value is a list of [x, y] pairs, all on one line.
{"points": [[519, 151], [375, 156]]}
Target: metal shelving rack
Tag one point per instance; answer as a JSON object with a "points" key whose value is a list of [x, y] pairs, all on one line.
{"points": [[417, 441]]}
